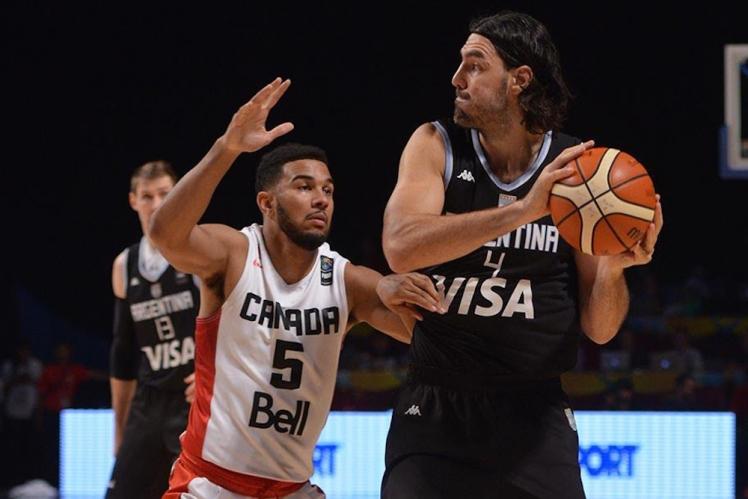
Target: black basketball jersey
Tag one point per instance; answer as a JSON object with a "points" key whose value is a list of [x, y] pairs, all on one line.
{"points": [[163, 304], [512, 304]]}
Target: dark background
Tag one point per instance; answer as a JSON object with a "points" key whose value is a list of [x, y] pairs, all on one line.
{"points": [[92, 92]]}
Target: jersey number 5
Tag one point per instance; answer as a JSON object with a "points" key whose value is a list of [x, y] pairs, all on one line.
{"points": [[280, 361]]}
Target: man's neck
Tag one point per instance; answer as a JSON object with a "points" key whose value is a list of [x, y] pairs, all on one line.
{"points": [[291, 261], [510, 151]]}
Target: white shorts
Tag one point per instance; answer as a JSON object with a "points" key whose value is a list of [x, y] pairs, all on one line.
{"points": [[202, 488]]}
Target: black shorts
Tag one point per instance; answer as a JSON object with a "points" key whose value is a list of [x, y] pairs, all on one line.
{"points": [[150, 444], [449, 438]]}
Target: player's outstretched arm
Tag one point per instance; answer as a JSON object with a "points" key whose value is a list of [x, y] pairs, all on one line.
{"points": [[603, 294], [390, 303], [204, 249], [416, 235]]}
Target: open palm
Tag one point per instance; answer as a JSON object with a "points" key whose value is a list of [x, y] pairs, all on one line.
{"points": [[247, 131]]}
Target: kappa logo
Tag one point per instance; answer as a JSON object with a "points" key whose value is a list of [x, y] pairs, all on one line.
{"points": [[413, 410], [326, 264], [134, 281], [466, 176], [156, 291]]}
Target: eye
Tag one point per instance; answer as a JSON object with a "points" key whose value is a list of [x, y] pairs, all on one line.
{"points": [[327, 190], [305, 187]]}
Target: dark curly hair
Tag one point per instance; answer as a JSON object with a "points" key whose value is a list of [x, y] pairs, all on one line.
{"points": [[271, 164], [519, 40]]}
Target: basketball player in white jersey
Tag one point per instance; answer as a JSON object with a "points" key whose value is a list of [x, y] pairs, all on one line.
{"points": [[276, 302]]}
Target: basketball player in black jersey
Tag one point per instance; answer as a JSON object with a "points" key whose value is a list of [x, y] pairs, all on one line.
{"points": [[152, 351], [483, 413]]}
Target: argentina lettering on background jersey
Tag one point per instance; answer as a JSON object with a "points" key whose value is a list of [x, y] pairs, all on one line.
{"points": [[512, 303], [163, 304]]}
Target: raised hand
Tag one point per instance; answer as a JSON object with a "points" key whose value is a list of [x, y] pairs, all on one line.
{"points": [[247, 131]]}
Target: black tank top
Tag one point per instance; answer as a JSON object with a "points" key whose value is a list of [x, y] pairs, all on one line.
{"points": [[512, 302], [163, 306]]}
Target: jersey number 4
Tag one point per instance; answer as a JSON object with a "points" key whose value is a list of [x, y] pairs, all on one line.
{"points": [[282, 362]]}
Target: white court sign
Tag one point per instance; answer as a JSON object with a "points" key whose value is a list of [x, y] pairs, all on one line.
{"points": [[623, 455]]}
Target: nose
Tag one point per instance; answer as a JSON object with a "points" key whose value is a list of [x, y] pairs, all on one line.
{"points": [[157, 201], [458, 79], [321, 200]]}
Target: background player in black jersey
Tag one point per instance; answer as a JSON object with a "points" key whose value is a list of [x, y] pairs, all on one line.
{"points": [[483, 413], [152, 351]]}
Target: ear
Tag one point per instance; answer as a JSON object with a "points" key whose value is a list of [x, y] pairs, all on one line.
{"points": [[133, 199], [521, 78], [265, 202]]}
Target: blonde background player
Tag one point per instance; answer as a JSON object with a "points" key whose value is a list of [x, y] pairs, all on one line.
{"points": [[276, 302], [152, 350]]}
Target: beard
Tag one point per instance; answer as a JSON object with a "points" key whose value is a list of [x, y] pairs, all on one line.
{"points": [[482, 115], [309, 240]]}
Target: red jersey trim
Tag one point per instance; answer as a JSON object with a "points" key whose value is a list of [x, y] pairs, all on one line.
{"points": [[248, 485], [206, 338]]}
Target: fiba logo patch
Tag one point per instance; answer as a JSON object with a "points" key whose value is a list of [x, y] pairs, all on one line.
{"points": [[156, 290], [326, 264]]}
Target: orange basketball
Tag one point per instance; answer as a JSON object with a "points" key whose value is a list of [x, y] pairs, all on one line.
{"points": [[607, 205]]}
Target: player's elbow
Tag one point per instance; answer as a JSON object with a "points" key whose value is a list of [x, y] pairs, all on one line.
{"points": [[598, 335], [397, 255], [158, 230], [398, 250]]}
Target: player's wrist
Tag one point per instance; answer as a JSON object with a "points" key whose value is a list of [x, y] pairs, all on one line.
{"points": [[610, 268]]}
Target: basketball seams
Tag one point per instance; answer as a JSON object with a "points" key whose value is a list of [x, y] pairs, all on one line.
{"points": [[599, 182], [594, 199], [613, 230], [598, 189], [594, 231]]}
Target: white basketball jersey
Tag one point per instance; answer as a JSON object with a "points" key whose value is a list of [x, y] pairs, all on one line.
{"points": [[266, 366]]}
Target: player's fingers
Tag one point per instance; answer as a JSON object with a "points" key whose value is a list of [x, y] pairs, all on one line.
{"points": [[643, 253], [280, 130], [261, 96], [417, 296], [648, 241], [659, 221], [562, 173], [190, 379], [276, 94], [569, 154], [189, 395], [427, 285]]}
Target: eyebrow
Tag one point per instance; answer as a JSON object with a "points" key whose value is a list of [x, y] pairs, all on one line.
{"points": [[474, 53], [309, 177]]}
